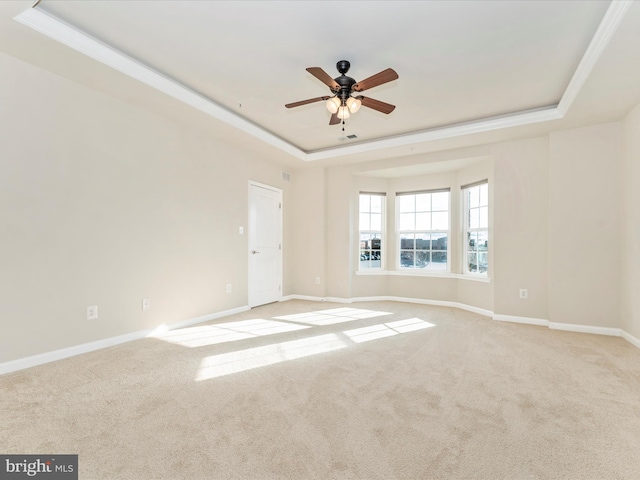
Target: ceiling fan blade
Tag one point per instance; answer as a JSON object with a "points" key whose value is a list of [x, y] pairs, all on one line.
{"points": [[378, 79], [376, 104], [304, 102], [324, 77], [334, 120]]}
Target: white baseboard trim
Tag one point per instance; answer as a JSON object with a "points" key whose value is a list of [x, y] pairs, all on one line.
{"points": [[541, 322], [40, 359], [388, 298], [630, 338], [301, 297], [570, 327]]}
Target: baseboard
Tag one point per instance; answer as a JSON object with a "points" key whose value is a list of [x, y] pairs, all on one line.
{"points": [[630, 338], [541, 322], [388, 298], [40, 359], [570, 327]]}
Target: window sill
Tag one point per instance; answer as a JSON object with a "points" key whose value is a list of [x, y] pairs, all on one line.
{"points": [[403, 273]]}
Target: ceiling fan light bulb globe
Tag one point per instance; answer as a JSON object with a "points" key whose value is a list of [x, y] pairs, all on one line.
{"points": [[332, 104], [353, 104], [343, 112]]}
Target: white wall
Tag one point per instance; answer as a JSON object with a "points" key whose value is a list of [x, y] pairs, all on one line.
{"points": [[631, 225], [521, 215], [308, 230], [585, 200], [103, 204]]}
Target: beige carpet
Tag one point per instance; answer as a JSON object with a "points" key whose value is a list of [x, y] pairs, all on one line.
{"points": [[377, 390]]}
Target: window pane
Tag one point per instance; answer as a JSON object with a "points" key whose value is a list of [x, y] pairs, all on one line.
{"points": [[472, 262], [440, 201], [376, 244], [482, 242], [407, 203], [439, 251], [376, 222], [423, 202], [406, 259], [474, 197], [364, 222], [474, 218], [438, 260], [484, 217], [422, 259], [423, 221], [484, 194], [440, 221], [423, 241], [407, 241], [471, 240], [365, 201], [482, 262], [376, 203], [407, 221], [438, 241]]}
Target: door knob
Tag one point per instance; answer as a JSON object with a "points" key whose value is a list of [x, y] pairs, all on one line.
{"points": [[254, 251]]}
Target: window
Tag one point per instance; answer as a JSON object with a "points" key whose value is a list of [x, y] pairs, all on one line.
{"points": [[423, 229], [476, 227], [371, 231]]}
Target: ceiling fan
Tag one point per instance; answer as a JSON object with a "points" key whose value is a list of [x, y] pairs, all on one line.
{"points": [[343, 102]]}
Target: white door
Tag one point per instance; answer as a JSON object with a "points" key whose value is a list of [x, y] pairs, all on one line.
{"points": [[265, 244]]}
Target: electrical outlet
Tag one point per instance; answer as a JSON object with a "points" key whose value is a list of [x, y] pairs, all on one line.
{"points": [[317, 280], [241, 230], [228, 288], [146, 304], [524, 293], [92, 312]]}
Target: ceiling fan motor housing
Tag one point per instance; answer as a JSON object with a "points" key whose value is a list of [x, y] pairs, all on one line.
{"points": [[345, 82]]}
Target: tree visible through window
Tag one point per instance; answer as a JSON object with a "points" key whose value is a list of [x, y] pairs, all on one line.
{"points": [[423, 229], [371, 229], [476, 201]]}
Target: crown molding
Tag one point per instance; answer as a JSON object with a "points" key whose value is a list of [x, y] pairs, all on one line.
{"points": [[608, 26]]}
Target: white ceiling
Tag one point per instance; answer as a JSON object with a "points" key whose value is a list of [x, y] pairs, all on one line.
{"points": [[460, 63]]}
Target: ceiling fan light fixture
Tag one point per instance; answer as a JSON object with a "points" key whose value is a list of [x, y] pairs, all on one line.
{"points": [[343, 112], [332, 104], [354, 104]]}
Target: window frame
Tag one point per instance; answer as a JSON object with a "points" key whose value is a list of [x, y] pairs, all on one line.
{"points": [[416, 231], [381, 232], [467, 230]]}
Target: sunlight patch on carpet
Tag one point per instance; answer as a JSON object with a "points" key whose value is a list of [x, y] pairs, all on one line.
{"points": [[332, 316], [226, 332], [365, 334], [233, 362], [242, 360]]}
